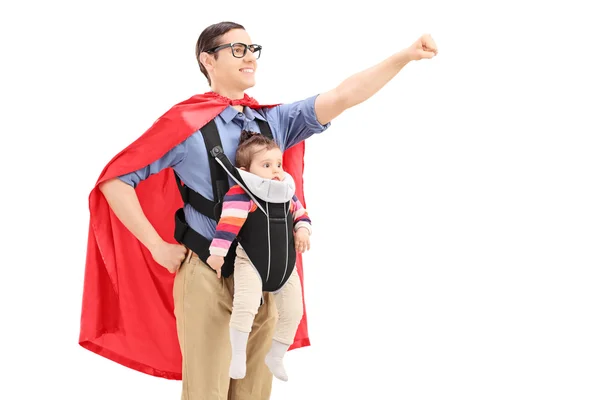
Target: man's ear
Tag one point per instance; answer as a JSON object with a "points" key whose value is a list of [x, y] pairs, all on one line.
{"points": [[207, 60]]}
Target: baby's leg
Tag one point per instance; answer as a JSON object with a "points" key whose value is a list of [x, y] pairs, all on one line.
{"points": [[246, 300], [289, 307]]}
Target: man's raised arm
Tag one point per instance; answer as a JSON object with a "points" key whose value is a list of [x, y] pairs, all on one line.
{"points": [[362, 85]]}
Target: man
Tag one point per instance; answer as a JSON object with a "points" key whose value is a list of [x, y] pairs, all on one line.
{"points": [[130, 300]]}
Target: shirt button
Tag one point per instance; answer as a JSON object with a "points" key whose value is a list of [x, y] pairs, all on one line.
{"points": [[240, 115]]}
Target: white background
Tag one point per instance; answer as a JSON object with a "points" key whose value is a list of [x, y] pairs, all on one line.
{"points": [[456, 244]]}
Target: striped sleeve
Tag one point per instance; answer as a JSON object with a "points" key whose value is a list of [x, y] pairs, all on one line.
{"points": [[301, 218], [236, 205]]}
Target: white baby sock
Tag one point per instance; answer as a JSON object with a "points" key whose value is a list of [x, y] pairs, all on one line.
{"points": [[239, 340], [274, 360]]}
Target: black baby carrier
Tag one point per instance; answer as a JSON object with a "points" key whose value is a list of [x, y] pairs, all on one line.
{"points": [[266, 236]]}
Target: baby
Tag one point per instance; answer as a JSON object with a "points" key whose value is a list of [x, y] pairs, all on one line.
{"points": [[272, 223]]}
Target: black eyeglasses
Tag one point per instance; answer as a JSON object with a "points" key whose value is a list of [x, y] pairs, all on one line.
{"points": [[238, 49]]}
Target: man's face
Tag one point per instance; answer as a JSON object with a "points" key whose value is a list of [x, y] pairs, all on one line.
{"points": [[230, 72]]}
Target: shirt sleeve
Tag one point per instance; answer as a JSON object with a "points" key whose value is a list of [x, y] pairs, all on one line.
{"points": [[172, 158], [295, 121], [236, 206], [301, 218]]}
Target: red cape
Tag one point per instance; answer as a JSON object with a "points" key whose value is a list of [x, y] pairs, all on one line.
{"points": [[127, 312]]}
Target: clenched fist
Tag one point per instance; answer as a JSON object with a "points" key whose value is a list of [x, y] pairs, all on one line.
{"points": [[424, 47]]}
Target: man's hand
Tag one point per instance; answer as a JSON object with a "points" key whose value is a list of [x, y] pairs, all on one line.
{"points": [[302, 240], [424, 47], [169, 255], [216, 262]]}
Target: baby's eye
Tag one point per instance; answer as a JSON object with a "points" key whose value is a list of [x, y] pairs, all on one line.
{"points": [[266, 165]]}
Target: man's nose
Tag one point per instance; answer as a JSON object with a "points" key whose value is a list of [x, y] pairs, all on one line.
{"points": [[250, 56]]}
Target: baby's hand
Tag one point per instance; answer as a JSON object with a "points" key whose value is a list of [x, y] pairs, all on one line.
{"points": [[216, 262], [302, 239]]}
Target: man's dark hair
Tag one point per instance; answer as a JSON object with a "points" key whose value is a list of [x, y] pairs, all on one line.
{"points": [[210, 37]]}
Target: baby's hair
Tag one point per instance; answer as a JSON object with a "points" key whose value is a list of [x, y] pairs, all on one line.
{"points": [[250, 144]]}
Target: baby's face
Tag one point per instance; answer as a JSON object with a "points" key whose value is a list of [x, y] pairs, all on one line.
{"points": [[268, 164]]}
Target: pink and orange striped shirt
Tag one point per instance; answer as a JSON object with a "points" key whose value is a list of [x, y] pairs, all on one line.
{"points": [[236, 206]]}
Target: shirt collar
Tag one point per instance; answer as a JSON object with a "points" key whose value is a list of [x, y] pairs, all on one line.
{"points": [[228, 114]]}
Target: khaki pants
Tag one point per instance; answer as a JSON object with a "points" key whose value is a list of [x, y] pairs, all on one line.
{"points": [[247, 295], [203, 305]]}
